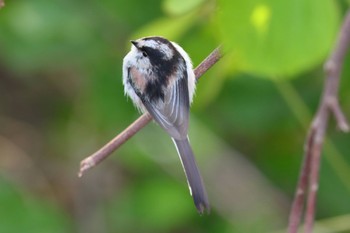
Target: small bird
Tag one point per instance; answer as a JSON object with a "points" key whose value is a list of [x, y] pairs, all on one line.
{"points": [[158, 77]]}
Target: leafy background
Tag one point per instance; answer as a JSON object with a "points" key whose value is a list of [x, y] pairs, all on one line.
{"points": [[61, 98]]}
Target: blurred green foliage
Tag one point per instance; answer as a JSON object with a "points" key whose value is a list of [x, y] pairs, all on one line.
{"points": [[276, 38], [23, 213], [61, 98]]}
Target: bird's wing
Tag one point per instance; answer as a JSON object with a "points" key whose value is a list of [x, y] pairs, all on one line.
{"points": [[172, 114]]}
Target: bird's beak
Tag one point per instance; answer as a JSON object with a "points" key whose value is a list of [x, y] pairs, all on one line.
{"points": [[134, 42]]}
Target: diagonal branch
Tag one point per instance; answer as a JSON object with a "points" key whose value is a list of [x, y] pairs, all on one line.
{"points": [[121, 138], [308, 180]]}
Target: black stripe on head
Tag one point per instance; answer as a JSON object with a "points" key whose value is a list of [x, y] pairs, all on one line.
{"points": [[158, 39], [162, 67]]}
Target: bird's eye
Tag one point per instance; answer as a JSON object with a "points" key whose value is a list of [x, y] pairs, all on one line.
{"points": [[144, 54]]}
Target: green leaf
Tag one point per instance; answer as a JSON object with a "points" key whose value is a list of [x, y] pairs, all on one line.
{"points": [[278, 38], [178, 7]]}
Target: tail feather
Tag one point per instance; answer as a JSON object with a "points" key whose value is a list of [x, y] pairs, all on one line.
{"points": [[193, 176]]}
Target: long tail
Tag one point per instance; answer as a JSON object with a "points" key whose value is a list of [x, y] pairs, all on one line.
{"points": [[194, 178]]}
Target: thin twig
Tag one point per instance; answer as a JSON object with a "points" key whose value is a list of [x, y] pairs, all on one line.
{"points": [[121, 138], [314, 152], [329, 105], [114, 144], [297, 206]]}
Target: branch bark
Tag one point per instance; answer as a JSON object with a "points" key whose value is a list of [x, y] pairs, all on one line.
{"points": [[130, 131], [309, 174]]}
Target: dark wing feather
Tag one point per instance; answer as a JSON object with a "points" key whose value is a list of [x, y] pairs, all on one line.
{"points": [[172, 114]]}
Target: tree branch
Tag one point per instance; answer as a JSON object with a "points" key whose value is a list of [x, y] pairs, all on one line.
{"points": [[2, 4], [309, 175], [130, 131]]}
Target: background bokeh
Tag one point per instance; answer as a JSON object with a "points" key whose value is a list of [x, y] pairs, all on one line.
{"points": [[61, 99]]}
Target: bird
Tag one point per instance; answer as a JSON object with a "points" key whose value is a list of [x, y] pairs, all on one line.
{"points": [[158, 77]]}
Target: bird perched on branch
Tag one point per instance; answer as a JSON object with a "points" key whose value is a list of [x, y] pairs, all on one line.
{"points": [[158, 77]]}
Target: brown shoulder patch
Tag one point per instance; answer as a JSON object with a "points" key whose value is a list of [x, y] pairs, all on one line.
{"points": [[138, 79]]}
